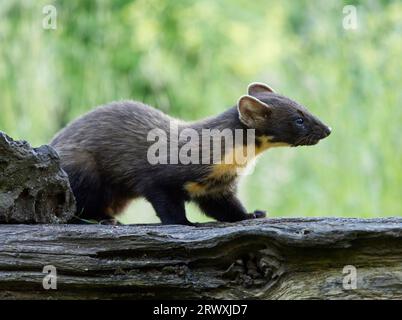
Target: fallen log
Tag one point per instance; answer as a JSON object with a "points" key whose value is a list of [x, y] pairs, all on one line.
{"points": [[312, 258]]}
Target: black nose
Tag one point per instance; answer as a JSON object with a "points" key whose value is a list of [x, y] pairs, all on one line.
{"points": [[327, 131]]}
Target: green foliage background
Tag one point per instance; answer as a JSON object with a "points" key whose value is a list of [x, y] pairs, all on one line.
{"points": [[195, 58]]}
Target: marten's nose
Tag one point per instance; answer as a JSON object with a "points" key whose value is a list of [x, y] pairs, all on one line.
{"points": [[327, 131]]}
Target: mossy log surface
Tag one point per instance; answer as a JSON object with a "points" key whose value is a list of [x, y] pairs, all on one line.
{"points": [[257, 259]]}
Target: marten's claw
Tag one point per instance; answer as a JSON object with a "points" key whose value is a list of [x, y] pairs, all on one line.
{"points": [[110, 222], [257, 214]]}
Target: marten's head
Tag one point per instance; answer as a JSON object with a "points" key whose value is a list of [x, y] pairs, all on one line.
{"points": [[281, 119]]}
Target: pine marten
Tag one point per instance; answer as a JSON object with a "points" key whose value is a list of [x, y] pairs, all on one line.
{"points": [[106, 155]]}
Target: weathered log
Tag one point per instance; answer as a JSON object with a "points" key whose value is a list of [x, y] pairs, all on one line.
{"points": [[256, 259], [33, 187]]}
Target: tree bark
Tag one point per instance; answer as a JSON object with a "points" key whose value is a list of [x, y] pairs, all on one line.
{"points": [[256, 259], [33, 187]]}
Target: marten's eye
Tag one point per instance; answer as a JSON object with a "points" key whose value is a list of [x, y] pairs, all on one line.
{"points": [[299, 121]]}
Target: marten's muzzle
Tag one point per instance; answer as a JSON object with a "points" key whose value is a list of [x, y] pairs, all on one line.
{"points": [[313, 137]]}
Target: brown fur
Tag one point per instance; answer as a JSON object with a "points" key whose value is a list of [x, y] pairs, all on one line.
{"points": [[105, 155]]}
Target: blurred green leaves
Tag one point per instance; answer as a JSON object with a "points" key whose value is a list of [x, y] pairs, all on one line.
{"points": [[195, 58]]}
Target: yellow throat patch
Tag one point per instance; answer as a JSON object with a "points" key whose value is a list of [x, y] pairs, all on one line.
{"points": [[235, 162]]}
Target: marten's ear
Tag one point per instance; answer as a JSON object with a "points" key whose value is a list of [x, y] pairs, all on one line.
{"points": [[257, 87], [252, 111]]}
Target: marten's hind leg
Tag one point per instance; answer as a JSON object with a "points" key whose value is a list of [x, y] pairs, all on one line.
{"points": [[117, 202], [90, 195]]}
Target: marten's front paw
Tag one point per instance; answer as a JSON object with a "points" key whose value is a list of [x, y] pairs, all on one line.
{"points": [[257, 214]]}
